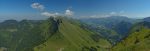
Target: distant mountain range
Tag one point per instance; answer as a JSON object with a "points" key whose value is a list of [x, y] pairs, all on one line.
{"points": [[108, 22], [147, 19]]}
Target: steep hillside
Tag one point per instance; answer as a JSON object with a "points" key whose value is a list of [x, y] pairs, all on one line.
{"points": [[138, 40], [122, 28], [71, 37]]}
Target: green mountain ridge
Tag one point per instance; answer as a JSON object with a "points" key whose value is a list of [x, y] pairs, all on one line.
{"points": [[71, 37]]}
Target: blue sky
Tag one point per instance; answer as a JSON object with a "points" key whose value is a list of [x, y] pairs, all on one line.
{"points": [[21, 9]]}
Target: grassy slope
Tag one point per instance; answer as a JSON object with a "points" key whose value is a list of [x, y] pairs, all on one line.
{"points": [[71, 37], [137, 41]]}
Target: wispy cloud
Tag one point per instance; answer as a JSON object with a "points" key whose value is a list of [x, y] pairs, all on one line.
{"points": [[37, 6], [41, 8], [69, 12], [120, 13], [49, 14], [113, 13]]}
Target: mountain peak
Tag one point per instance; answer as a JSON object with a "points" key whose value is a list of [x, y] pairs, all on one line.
{"points": [[147, 19], [70, 36]]}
